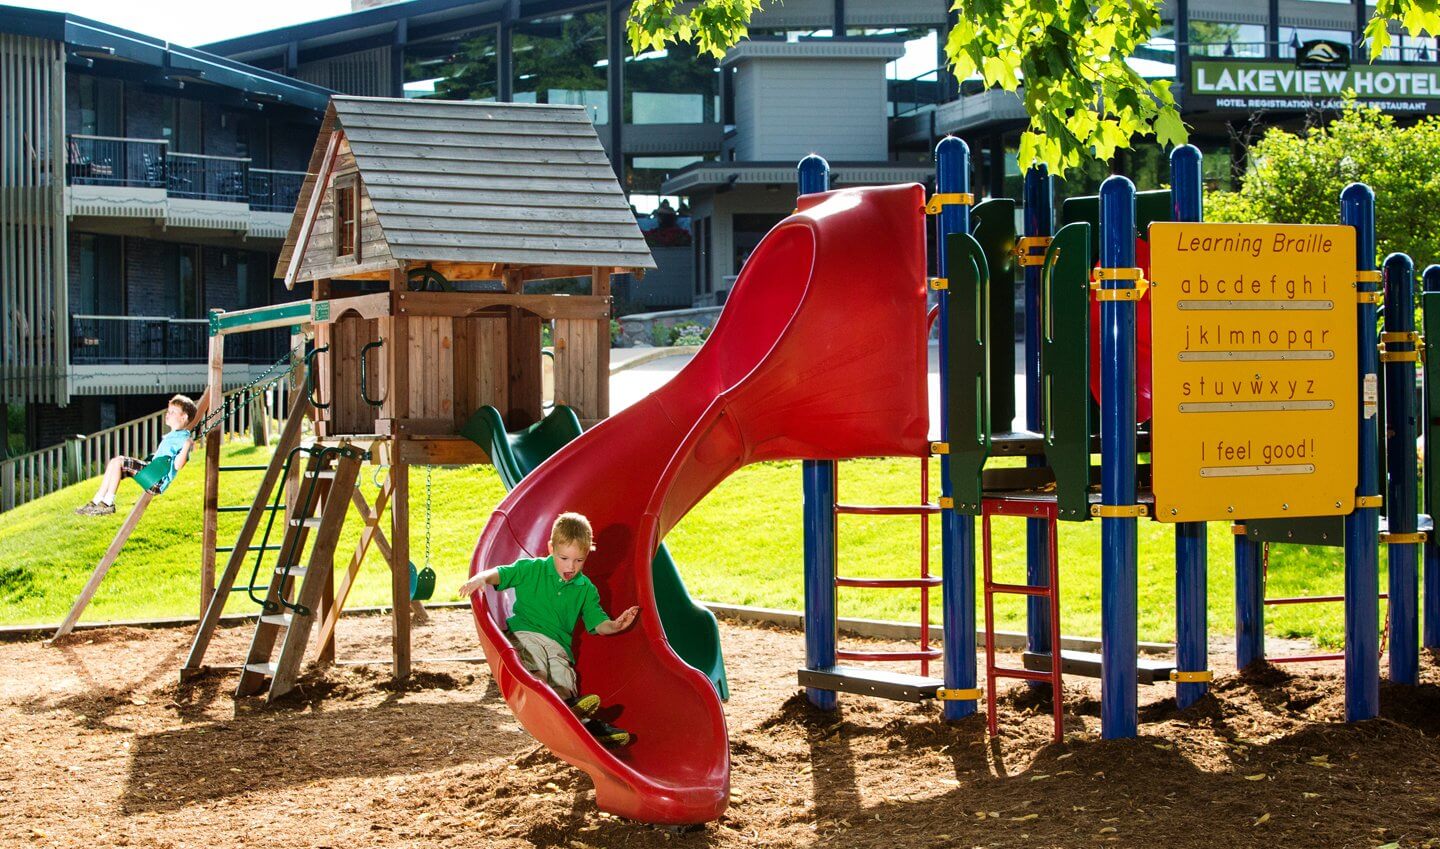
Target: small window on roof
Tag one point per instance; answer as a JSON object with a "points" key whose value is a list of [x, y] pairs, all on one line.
{"points": [[347, 218]]}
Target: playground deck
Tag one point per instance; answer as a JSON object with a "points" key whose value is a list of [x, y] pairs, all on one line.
{"points": [[353, 763]]}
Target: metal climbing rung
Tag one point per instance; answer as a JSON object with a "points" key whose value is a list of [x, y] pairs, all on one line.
{"points": [[1029, 508], [260, 468], [887, 509], [225, 548], [890, 583], [245, 508]]}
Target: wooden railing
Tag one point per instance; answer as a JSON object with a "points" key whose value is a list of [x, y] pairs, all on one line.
{"points": [[30, 476]]}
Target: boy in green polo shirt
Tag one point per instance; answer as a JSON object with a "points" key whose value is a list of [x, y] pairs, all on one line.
{"points": [[550, 595]]}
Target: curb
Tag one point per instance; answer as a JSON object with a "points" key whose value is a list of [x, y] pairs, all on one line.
{"points": [[792, 620], [653, 355]]}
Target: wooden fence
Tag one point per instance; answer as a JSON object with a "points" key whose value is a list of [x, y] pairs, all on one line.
{"points": [[30, 476]]}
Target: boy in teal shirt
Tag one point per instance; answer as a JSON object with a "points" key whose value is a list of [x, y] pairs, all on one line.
{"points": [[551, 594], [175, 446]]}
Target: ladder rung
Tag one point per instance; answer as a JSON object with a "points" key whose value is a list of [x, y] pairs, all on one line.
{"points": [[927, 654], [243, 589], [259, 468], [1304, 658], [225, 548], [313, 522], [886, 509], [1312, 599], [1026, 674], [296, 572], [267, 669], [889, 583], [280, 619], [245, 508], [323, 475], [1017, 589]]}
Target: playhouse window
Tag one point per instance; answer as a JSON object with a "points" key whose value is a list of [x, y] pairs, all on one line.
{"points": [[347, 219]]}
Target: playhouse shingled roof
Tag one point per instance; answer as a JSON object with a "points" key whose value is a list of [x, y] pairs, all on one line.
{"points": [[472, 181]]}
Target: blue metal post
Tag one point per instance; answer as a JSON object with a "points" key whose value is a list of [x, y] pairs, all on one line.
{"points": [[1119, 577], [1249, 600], [1362, 526], [1403, 489], [1039, 223], [818, 476], [957, 532], [1191, 564], [1431, 634]]}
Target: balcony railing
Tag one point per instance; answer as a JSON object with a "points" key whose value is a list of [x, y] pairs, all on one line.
{"points": [[112, 161], [275, 191], [137, 340], [205, 177]]}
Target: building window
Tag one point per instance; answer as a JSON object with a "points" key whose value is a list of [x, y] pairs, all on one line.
{"points": [[1293, 37], [458, 67], [677, 85], [189, 288], [100, 290], [185, 127], [913, 80], [1212, 38], [562, 60], [347, 217], [100, 106]]}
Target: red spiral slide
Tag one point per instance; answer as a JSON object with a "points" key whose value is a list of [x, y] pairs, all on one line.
{"points": [[819, 354]]}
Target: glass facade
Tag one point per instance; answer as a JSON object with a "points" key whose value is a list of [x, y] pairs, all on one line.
{"points": [[458, 67], [1211, 38], [189, 294], [914, 79], [1291, 37], [677, 85], [563, 60]]}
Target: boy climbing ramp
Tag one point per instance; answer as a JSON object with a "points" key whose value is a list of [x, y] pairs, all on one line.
{"points": [[550, 595], [173, 449]]}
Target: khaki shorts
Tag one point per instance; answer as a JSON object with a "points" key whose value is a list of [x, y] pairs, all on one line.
{"points": [[547, 660]]}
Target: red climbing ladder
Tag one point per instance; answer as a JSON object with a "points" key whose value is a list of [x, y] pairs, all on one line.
{"points": [[924, 582], [1027, 508]]}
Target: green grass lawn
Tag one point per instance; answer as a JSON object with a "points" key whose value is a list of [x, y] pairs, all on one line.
{"points": [[741, 545]]}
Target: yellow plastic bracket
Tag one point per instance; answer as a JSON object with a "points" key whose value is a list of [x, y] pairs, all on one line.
{"points": [[1202, 676], [939, 448], [1369, 277], [1398, 356], [1400, 336], [1026, 244], [941, 199], [1119, 511], [1102, 273], [1404, 539], [969, 694], [939, 284], [1237, 529], [1370, 297], [1134, 293], [1365, 501], [946, 502]]}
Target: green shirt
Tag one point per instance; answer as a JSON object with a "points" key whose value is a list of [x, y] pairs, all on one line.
{"points": [[547, 605]]}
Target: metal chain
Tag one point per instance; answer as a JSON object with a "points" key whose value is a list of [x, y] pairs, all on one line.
{"points": [[428, 471]]}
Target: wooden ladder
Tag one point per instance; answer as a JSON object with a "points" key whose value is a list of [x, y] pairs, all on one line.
{"points": [[291, 613]]}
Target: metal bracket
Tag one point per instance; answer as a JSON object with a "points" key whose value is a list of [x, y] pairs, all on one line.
{"points": [[939, 448], [1400, 336], [1133, 293], [969, 694], [1370, 297], [1398, 356], [1365, 501], [939, 284], [941, 199], [1024, 246], [1404, 539], [1202, 676], [1375, 276], [946, 502], [1119, 511], [1238, 529]]}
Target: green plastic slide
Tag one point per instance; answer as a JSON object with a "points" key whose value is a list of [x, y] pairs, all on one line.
{"points": [[690, 629]]}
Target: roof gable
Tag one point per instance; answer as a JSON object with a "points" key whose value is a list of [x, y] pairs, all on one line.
{"points": [[470, 181]]}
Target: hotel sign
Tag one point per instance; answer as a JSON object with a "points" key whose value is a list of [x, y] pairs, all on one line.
{"points": [[1272, 85]]}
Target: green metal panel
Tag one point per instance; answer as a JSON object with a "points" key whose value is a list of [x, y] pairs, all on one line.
{"points": [[1065, 367], [967, 315], [1307, 530], [992, 223], [221, 322], [1430, 321], [1150, 206]]}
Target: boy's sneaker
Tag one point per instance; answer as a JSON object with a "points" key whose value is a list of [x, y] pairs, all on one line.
{"points": [[607, 733], [101, 510], [84, 509], [585, 706]]}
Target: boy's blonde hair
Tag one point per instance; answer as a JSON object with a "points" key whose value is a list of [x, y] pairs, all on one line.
{"points": [[186, 405], [571, 528]]}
